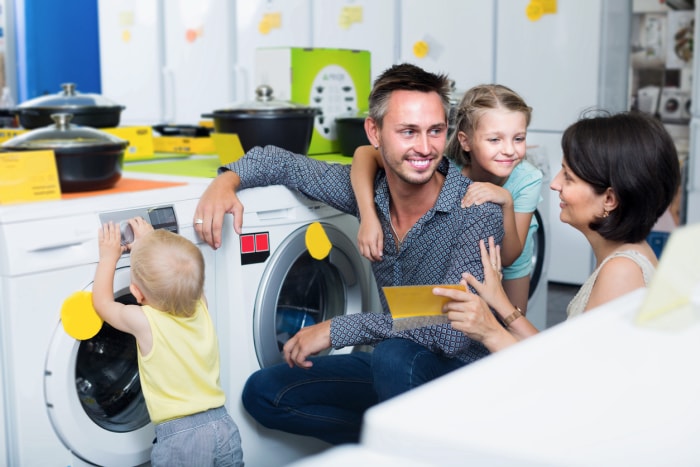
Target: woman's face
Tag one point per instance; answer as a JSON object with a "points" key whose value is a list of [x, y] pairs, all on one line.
{"points": [[579, 203]]}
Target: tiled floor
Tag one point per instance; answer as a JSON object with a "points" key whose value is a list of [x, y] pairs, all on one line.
{"points": [[558, 297]]}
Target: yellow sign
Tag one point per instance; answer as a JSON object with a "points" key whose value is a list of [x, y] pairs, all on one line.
{"points": [[536, 8], [78, 316], [28, 176], [673, 297], [228, 146], [317, 241]]}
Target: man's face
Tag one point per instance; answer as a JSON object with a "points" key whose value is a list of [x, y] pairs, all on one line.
{"points": [[413, 136]]}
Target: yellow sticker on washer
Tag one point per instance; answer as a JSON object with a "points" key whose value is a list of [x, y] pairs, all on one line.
{"points": [[78, 316], [317, 241]]}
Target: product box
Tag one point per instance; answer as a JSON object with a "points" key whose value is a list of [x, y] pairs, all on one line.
{"points": [[140, 140], [337, 81]]}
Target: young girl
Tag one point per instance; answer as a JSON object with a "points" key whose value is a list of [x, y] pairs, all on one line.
{"points": [[178, 353], [489, 144]]}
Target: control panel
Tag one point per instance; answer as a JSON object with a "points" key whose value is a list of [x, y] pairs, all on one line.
{"points": [[160, 217]]}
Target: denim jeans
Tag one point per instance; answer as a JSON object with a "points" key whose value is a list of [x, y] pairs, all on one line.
{"points": [[328, 400]]}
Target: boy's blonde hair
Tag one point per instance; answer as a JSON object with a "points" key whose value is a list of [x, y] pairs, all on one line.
{"points": [[169, 271], [475, 102]]}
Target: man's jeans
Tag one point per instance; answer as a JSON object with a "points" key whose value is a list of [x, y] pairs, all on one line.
{"points": [[328, 400]]}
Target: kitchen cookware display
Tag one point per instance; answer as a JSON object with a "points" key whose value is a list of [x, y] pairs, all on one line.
{"points": [[267, 121], [351, 133], [87, 109], [86, 158], [336, 81]]}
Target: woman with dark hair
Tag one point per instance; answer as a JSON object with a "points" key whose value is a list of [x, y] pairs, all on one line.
{"points": [[619, 174]]}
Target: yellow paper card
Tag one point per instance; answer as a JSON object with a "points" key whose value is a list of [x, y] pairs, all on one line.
{"points": [[228, 146], [28, 176], [407, 301]]}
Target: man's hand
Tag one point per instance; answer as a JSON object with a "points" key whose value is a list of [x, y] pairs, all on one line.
{"points": [[217, 200], [307, 341]]}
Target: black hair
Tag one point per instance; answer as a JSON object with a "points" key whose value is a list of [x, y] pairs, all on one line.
{"points": [[633, 154]]}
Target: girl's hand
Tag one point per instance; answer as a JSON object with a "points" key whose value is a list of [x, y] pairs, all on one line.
{"points": [[109, 240], [370, 239], [481, 192]]}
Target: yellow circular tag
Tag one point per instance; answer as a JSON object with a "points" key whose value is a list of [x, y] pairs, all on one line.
{"points": [[317, 241], [78, 316], [534, 10], [421, 49]]}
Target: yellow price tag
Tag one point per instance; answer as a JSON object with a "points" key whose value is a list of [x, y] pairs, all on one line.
{"points": [[78, 316], [317, 241]]}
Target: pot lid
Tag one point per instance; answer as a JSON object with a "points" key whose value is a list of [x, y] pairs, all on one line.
{"points": [[265, 103], [69, 97], [63, 134]]}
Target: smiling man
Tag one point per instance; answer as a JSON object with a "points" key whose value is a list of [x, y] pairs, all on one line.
{"points": [[430, 239]]}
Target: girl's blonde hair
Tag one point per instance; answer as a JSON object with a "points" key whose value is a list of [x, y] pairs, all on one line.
{"points": [[475, 102], [169, 271]]}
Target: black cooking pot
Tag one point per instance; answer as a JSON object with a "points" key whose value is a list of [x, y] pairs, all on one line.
{"points": [[350, 130], [268, 121], [87, 109], [86, 158]]}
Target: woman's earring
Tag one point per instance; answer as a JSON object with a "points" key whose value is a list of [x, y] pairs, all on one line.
{"points": [[376, 146], [605, 213]]}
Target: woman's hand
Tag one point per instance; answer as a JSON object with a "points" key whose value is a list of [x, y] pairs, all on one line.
{"points": [[470, 314], [491, 290]]}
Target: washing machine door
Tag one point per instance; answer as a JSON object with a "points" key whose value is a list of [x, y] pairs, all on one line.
{"points": [[297, 290], [537, 254], [93, 393]]}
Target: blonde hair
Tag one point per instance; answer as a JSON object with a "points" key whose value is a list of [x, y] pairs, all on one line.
{"points": [[169, 271], [475, 102]]}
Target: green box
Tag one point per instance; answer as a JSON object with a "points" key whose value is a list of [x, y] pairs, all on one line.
{"points": [[337, 81]]}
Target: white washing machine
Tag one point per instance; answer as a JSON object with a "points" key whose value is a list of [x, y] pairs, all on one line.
{"points": [[70, 402], [269, 286], [537, 302]]}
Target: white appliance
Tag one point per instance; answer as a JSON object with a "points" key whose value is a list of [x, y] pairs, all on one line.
{"points": [[463, 46], [352, 25], [539, 277], [674, 105], [562, 64], [172, 61], [596, 390], [692, 203], [70, 402], [269, 285], [156, 60]]}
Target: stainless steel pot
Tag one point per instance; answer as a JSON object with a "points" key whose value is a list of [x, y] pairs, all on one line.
{"points": [[267, 121], [86, 158], [87, 109]]}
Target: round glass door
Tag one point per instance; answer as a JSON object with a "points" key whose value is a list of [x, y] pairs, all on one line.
{"points": [[297, 290], [107, 378], [93, 393], [537, 254]]}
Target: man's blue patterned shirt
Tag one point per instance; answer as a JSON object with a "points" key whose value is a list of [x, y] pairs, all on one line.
{"points": [[442, 245]]}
